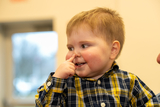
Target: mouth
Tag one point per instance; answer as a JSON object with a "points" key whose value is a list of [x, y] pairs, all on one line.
{"points": [[80, 64]]}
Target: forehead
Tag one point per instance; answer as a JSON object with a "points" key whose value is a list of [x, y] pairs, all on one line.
{"points": [[81, 31], [83, 35]]}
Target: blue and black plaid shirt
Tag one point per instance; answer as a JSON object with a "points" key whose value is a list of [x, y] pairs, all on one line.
{"points": [[116, 88]]}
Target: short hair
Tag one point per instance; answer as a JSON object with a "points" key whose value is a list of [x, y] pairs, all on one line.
{"points": [[101, 21]]}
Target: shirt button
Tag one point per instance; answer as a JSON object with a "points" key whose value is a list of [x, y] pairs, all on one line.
{"points": [[99, 82], [103, 104], [48, 83]]}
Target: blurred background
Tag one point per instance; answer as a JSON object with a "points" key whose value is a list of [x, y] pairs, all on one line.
{"points": [[33, 42]]}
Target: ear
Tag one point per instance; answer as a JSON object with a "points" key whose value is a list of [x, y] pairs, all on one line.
{"points": [[115, 49]]}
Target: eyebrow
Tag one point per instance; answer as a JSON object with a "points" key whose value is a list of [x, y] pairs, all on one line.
{"points": [[81, 42], [68, 45], [86, 41]]}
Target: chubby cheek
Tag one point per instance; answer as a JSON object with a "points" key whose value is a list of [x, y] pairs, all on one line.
{"points": [[92, 59]]}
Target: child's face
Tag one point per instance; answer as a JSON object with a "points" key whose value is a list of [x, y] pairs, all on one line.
{"points": [[93, 54]]}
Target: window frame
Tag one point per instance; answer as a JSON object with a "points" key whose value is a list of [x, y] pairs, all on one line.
{"points": [[9, 30]]}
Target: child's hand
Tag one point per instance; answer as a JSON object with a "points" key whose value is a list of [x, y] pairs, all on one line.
{"points": [[66, 69]]}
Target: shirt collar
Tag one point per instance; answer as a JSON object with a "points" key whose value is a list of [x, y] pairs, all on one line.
{"points": [[114, 67]]}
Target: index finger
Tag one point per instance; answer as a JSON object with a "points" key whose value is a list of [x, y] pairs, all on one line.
{"points": [[71, 58]]}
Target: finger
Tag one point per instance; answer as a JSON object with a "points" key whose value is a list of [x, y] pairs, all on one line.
{"points": [[72, 73], [71, 58], [72, 66], [158, 59]]}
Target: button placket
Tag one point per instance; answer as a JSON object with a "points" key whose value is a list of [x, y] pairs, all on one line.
{"points": [[48, 83], [103, 104], [99, 82]]}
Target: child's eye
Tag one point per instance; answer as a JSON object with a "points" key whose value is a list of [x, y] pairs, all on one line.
{"points": [[84, 46], [70, 48]]}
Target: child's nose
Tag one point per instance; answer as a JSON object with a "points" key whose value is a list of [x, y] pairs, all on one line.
{"points": [[77, 53]]}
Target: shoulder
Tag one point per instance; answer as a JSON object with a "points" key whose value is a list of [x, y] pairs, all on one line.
{"points": [[132, 79], [121, 73], [126, 74], [129, 78]]}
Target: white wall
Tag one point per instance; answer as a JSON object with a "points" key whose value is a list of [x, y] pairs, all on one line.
{"points": [[141, 18]]}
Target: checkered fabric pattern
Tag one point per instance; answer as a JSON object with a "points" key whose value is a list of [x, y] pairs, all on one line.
{"points": [[116, 88]]}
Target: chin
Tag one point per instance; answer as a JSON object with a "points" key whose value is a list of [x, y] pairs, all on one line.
{"points": [[81, 75]]}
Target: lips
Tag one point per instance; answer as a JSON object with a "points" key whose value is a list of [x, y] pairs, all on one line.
{"points": [[80, 64]]}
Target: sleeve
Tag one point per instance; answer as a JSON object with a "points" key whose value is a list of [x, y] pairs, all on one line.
{"points": [[51, 93], [141, 95]]}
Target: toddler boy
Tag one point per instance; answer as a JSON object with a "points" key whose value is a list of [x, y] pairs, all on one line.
{"points": [[90, 77]]}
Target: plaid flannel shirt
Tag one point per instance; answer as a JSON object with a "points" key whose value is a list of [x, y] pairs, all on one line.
{"points": [[116, 88]]}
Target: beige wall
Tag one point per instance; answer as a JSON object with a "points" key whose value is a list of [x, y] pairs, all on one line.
{"points": [[142, 21], [141, 18]]}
